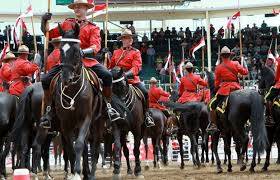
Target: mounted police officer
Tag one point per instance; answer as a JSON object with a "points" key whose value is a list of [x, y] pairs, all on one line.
{"points": [[129, 59], [188, 91], [226, 81], [90, 46]]}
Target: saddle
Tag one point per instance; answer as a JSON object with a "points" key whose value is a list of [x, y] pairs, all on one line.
{"points": [[89, 75], [138, 92]]}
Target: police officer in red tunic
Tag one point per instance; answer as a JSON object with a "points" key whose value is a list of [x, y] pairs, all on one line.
{"points": [[273, 92], [5, 74], [90, 46], [156, 95], [54, 58], [19, 72], [188, 91], [226, 81], [129, 59]]}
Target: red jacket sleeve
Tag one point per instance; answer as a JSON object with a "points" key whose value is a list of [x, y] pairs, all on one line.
{"points": [[201, 82], [163, 93], [241, 69], [217, 78], [27, 68], [181, 87], [277, 77], [95, 39], [136, 63], [6, 72]]}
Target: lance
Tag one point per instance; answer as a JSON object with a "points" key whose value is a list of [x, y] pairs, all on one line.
{"points": [[106, 33], [46, 46]]}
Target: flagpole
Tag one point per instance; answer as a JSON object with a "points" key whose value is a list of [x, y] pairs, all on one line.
{"points": [[202, 56], [170, 69], [106, 33], [46, 47], [34, 36]]}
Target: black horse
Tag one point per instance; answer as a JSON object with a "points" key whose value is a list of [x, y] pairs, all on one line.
{"points": [[242, 105], [193, 121], [8, 105], [127, 102], [266, 80], [25, 128], [157, 133]]}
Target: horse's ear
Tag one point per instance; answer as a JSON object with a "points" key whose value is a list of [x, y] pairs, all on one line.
{"points": [[61, 32], [77, 30]]}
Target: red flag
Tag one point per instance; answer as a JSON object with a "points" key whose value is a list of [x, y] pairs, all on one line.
{"points": [[237, 14], [276, 11], [90, 1], [4, 51], [197, 46], [97, 10], [168, 60]]}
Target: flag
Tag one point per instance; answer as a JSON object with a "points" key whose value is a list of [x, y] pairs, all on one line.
{"points": [[167, 60], [276, 11], [27, 13], [175, 75], [90, 1], [97, 10], [196, 47], [20, 24], [270, 56], [181, 67], [4, 51], [237, 14]]}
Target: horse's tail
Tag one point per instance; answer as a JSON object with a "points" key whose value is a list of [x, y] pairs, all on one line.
{"points": [[23, 110], [258, 123]]}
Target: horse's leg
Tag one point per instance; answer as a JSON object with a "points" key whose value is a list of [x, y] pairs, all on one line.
{"points": [[156, 150], [145, 141], [203, 146], [244, 142], [253, 163], [55, 151], [13, 154], [278, 149], [95, 148], [86, 171], [206, 139], [136, 152], [165, 140], [46, 157], [117, 149], [126, 154], [268, 149], [212, 152], [4, 155], [80, 144], [102, 154], [215, 141], [24, 150], [228, 151], [225, 158], [194, 150], [180, 141]]}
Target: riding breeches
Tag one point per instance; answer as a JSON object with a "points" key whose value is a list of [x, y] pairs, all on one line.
{"points": [[216, 101], [272, 93], [143, 89], [46, 79]]}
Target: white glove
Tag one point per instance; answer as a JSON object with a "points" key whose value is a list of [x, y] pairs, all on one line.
{"points": [[37, 59], [244, 63]]}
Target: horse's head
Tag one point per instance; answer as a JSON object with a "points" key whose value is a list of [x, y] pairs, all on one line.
{"points": [[266, 77], [70, 55], [119, 81], [172, 125]]}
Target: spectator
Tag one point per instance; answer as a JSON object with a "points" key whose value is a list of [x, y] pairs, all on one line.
{"points": [[145, 38], [132, 28], [154, 34], [181, 34], [143, 50], [236, 49], [232, 30], [188, 34], [174, 33], [151, 55], [221, 32], [264, 25], [212, 30], [167, 33]]}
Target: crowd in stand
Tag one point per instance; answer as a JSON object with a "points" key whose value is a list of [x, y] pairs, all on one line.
{"points": [[255, 46]]}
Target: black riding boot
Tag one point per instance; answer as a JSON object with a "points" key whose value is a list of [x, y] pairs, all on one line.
{"points": [[112, 113], [45, 121], [212, 127], [269, 119]]}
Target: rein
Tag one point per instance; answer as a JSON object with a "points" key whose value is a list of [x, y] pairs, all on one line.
{"points": [[72, 100], [118, 80]]}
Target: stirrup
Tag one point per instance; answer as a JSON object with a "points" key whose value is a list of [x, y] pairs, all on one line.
{"points": [[114, 115], [212, 128], [149, 121]]}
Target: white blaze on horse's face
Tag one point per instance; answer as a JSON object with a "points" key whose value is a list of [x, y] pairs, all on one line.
{"points": [[65, 48]]}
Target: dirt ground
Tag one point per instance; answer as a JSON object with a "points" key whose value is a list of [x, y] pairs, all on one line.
{"points": [[173, 172]]}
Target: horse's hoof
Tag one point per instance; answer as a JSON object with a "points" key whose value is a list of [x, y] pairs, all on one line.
{"points": [[76, 177], [219, 170], [252, 170], [68, 176], [243, 167], [203, 165], [130, 172], [158, 165], [229, 170], [116, 177], [182, 167], [147, 167], [34, 176], [264, 169], [2, 177]]}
